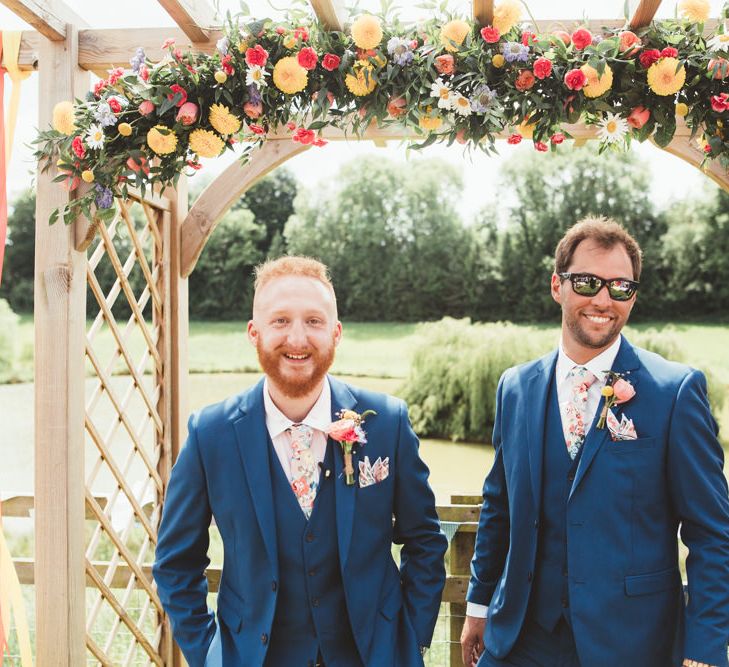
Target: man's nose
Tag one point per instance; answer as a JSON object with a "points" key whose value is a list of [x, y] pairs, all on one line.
{"points": [[602, 298], [297, 333]]}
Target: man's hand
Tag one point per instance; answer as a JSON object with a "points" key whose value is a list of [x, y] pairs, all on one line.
{"points": [[691, 663], [472, 640]]}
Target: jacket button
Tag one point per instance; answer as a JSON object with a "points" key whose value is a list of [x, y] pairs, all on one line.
{"points": [[264, 638], [274, 586], [315, 602], [565, 603], [571, 477], [312, 573], [310, 537], [529, 576]]}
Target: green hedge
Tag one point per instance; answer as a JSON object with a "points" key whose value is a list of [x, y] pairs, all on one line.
{"points": [[451, 387]]}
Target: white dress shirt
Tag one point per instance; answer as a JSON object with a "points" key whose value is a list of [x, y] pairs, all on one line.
{"points": [[597, 366], [319, 419]]}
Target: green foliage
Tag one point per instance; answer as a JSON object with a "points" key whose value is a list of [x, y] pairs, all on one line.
{"points": [[8, 341], [18, 267]]}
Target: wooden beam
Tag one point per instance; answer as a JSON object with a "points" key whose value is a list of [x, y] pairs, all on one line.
{"points": [[194, 17], [331, 13], [483, 12], [48, 17], [644, 14], [223, 192], [685, 148]]}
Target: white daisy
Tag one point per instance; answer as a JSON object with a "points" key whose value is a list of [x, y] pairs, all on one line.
{"points": [[613, 128], [442, 91], [95, 136], [461, 104], [256, 76], [719, 43]]}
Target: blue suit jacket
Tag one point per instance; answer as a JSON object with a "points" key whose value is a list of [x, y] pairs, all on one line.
{"points": [[223, 471], [628, 501]]}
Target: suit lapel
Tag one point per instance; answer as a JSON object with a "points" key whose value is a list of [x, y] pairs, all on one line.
{"points": [[345, 496], [626, 363], [252, 436], [536, 394]]}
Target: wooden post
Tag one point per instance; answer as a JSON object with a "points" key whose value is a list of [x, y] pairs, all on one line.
{"points": [[60, 327], [461, 552]]}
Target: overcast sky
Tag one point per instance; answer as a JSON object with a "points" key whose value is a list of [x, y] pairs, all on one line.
{"points": [[673, 178]]}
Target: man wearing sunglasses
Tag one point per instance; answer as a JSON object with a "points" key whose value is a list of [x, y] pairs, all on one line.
{"points": [[604, 453]]}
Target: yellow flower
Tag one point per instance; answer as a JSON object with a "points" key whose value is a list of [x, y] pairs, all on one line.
{"points": [[125, 129], [663, 79], [506, 15], [526, 129], [454, 31], [220, 76], [607, 391], [223, 120], [290, 41], [498, 61], [88, 176], [682, 109], [63, 118], [206, 143], [288, 76], [696, 11], [366, 32], [430, 123], [162, 140], [361, 81], [597, 85]]}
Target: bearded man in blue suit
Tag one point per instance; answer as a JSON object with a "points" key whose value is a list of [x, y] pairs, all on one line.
{"points": [[308, 575], [576, 559]]}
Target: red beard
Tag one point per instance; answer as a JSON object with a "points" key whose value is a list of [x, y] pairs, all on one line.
{"points": [[292, 382]]}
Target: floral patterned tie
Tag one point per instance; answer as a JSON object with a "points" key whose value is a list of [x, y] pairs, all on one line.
{"points": [[574, 409], [303, 467]]}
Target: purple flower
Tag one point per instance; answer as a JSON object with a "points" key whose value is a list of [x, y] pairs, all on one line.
{"points": [[400, 51], [482, 98], [104, 196], [138, 60], [254, 96], [513, 51], [104, 116], [222, 45]]}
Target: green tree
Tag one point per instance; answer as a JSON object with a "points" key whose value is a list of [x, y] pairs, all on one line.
{"points": [[18, 268]]}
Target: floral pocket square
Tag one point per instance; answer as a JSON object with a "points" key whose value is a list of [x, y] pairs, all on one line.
{"points": [[620, 430], [373, 473]]}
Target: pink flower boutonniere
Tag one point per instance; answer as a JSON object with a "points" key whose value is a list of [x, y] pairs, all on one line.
{"points": [[617, 390], [348, 431]]}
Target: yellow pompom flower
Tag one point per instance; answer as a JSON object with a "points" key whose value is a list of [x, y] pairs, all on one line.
{"points": [[361, 81], [666, 76], [87, 176], [454, 31], [206, 143], [607, 392], [125, 129], [506, 15], [498, 61], [682, 109], [223, 120], [220, 76], [63, 121], [162, 140], [696, 11], [289, 77], [367, 31], [597, 85]]}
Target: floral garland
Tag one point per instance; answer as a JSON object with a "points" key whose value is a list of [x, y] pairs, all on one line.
{"points": [[447, 79]]}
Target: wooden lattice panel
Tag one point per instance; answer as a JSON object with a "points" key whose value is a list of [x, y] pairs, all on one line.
{"points": [[127, 437]]}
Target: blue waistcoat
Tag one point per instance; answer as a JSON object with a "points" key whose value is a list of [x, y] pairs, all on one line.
{"points": [[550, 596], [311, 613]]}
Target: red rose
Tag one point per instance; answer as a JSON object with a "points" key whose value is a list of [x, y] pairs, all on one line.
{"points": [[514, 139], [78, 147], [307, 58], [525, 80], [557, 138], [542, 68], [256, 55], [541, 146], [445, 64], [669, 52], [719, 103], [177, 88], [648, 57], [490, 34], [581, 38], [330, 62], [707, 149], [304, 136], [291, 125], [575, 79], [227, 65], [301, 33], [257, 129], [114, 104]]}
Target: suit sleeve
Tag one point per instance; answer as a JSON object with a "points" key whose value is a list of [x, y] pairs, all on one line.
{"points": [[181, 555], [422, 570], [492, 537], [700, 497]]}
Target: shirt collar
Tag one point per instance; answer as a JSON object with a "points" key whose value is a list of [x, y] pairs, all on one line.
{"points": [[597, 365], [319, 417]]}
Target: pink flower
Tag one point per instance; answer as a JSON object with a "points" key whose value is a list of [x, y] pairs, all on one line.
{"points": [[557, 138], [115, 74], [575, 79], [490, 34], [99, 86], [629, 42], [138, 164], [114, 104], [445, 64], [256, 55], [78, 147], [461, 136], [187, 114], [176, 89], [669, 52], [291, 126], [343, 430], [541, 146], [638, 117], [581, 38], [542, 68], [227, 64], [304, 136], [623, 391], [144, 72], [257, 129], [146, 107], [301, 33], [300, 486], [177, 54], [514, 139], [319, 142], [648, 57], [170, 41], [307, 58], [397, 107], [720, 103], [524, 81], [330, 62], [252, 110]]}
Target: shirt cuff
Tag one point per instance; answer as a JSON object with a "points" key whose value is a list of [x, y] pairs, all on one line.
{"points": [[477, 610]]}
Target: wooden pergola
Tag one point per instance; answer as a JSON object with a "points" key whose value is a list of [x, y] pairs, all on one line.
{"points": [[89, 570]]}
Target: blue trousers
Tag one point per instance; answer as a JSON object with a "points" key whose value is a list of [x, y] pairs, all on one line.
{"points": [[535, 647]]}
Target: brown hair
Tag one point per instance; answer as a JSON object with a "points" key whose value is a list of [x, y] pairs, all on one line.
{"points": [[292, 265], [606, 232]]}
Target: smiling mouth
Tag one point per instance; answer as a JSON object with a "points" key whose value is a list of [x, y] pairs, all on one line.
{"points": [[598, 319], [296, 357]]}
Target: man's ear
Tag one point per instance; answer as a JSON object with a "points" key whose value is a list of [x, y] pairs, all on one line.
{"points": [[252, 333], [556, 288], [337, 333]]}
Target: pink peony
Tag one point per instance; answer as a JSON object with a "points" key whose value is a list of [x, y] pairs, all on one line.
{"points": [[187, 114], [623, 391]]}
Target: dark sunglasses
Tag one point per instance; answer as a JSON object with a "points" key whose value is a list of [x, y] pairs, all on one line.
{"points": [[587, 284]]}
